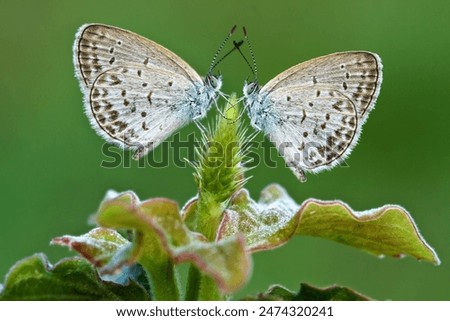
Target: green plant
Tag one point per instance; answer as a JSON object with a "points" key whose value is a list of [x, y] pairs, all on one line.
{"points": [[132, 253]]}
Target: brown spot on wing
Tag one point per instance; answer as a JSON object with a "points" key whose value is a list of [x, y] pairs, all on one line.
{"points": [[304, 116], [149, 97]]}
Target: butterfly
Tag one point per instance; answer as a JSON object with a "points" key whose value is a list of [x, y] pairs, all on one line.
{"points": [[313, 112], [136, 92]]}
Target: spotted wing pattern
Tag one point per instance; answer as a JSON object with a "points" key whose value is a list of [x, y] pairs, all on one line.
{"points": [[314, 111], [136, 91], [98, 48], [139, 107]]}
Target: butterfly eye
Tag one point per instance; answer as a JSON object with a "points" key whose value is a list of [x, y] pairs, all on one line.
{"points": [[250, 88], [214, 81], [210, 80]]}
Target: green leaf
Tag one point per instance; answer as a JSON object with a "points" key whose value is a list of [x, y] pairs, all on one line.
{"points": [[225, 261], [100, 246], [308, 293], [388, 230], [188, 213], [34, 278], [274, 293], [332, 293], [162, 239], [265, 225]]}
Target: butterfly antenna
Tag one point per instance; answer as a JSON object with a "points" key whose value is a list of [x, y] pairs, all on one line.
{"points": [[254, 69], [213, 62], [237, 44], [245, 58]]}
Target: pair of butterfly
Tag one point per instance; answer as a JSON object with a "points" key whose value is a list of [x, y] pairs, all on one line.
{"points": [[137, 93]]}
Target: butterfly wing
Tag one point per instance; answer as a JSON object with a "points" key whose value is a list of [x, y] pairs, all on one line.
{"points": [[355, 74], [98, 48], [138, 107], [311, 133], [313, 112], [136, 91]]}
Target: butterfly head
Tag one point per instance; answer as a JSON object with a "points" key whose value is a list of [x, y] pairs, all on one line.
{"points": [[252, 102], [214, 82], [206, 95], [251, 88]]}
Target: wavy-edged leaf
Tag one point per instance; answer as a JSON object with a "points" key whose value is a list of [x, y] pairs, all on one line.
{"points": [[388, 230], [226, 261], [161, 239], [99, 246], [308, 293], [271, 222], [274, 293], [266, 225], [333, 293], [34, 278]]}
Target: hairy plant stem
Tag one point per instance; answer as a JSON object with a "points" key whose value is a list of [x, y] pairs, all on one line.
{"points": [[219, 175]]}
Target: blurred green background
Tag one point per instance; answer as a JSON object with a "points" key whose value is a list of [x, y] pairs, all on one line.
{"points": [[50, 173]]}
